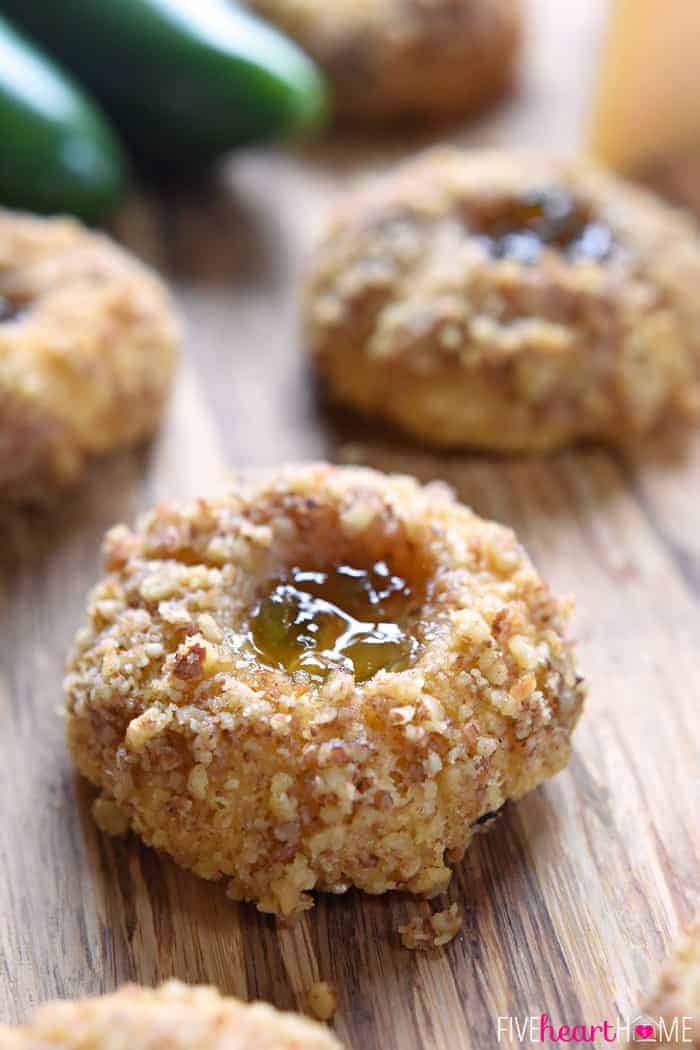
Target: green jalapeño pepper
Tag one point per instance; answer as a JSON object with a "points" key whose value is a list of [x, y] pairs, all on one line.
{"points": [[183, 80], [57, 154]]}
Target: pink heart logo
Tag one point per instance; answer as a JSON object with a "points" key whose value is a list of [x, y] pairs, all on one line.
{"points": [[644, 1031]]}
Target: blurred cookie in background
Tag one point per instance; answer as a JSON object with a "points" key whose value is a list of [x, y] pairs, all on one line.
{"points": [[88, 339], [398, 60], [507, 301]]}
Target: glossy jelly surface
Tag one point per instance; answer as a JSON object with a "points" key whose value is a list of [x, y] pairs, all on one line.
{"points": [[344, 618], [552, 218]]}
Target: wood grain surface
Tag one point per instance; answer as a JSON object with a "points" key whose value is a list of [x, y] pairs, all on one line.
{"points": [[572, 901]]}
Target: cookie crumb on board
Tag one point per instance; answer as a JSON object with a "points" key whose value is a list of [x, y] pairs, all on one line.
{"points": [[432, 931], [109, 817], [322, 1000]]}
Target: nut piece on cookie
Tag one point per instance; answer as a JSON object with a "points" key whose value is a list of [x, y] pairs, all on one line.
{"points": [[507, 301], [674, 1008], [88, 339], [324, 679], [403, 60], [174, 1016]]}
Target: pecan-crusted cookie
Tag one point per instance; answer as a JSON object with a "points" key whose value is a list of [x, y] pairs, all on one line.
{"points": [[171, 1017], [674, 1008], [87, 347], [324, 679], [510, 302], [393, 59]]}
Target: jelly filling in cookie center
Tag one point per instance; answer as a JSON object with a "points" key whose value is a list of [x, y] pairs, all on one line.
{"points": [[345, 619], [551, 218]]}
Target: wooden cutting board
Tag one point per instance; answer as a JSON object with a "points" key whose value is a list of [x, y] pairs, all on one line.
{"points": [[571, 902]]}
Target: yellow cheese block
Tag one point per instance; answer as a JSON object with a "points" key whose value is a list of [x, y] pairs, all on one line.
{"points": [[647, 105]]}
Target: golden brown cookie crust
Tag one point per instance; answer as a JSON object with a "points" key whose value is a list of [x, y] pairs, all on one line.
{"points": [[172, 1017], [86, 353], [677, 995], [285, 786], [410, 317], [389, 60]]}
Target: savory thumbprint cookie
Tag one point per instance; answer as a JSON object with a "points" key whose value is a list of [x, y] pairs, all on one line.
{"points": [[327, 678], [508, 302], [87, 346], [393, 60], [171, 1017]]}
